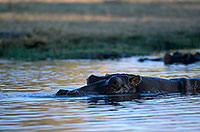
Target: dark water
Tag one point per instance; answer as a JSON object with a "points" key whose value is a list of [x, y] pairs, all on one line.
{"points": [[27, 101]]}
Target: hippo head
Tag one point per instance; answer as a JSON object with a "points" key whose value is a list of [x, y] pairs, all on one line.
{"points": [[106, 85], [174, 58], [122, 84], [178, 57]]}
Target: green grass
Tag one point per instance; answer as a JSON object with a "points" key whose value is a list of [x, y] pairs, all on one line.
{"points": [[93, 47]]}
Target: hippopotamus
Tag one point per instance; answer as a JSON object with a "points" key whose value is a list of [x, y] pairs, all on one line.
{"points": [[176, 57], [116, 84]]}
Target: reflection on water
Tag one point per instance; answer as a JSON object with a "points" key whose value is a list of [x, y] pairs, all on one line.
{"points": [[28, 102]]}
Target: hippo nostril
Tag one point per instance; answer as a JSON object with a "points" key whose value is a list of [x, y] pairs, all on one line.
{"points": [[62, 92], [73, 92]]}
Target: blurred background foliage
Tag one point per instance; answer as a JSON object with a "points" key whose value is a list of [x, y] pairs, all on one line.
{"points": [[60, 29]]}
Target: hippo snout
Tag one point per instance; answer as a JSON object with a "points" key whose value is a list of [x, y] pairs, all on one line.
{"points": [[75, 93], [62, 92], [69, 93]]}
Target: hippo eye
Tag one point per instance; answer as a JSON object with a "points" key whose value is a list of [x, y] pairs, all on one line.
{"points": [[134, 81], [130, 80]]}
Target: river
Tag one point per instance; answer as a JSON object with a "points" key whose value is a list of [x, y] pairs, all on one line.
{"points": [[28, 101]]}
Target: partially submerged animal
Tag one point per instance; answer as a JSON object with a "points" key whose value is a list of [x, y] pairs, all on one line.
{"points": [[176, 57], [114, 84]]}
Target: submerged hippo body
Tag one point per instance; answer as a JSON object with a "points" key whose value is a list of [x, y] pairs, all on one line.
{"points": [[177, 85], [130, 84], [182, 58], [176, 58]]}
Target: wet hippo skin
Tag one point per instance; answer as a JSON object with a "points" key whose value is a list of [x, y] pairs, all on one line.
{"points": [[113, 84], [176, 58]]}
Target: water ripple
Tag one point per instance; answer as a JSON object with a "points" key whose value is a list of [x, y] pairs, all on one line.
{"points": [[28, 101]]}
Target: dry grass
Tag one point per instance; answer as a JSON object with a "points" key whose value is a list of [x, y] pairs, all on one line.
{"points": [[100, 17]]}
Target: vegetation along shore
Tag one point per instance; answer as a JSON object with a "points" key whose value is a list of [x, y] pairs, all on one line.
{"points": [[100, 29]]}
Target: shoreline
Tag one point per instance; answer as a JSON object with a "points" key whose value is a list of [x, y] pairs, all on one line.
{"points": [[30, 46]]}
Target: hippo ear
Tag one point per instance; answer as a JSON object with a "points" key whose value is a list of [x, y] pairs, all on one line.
{"points": [[134, 81], [187, 56], [168, 59], [92, 79]]}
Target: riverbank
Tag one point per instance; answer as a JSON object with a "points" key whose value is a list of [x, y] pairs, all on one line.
{"points": [[33, 47], [102, 29]]}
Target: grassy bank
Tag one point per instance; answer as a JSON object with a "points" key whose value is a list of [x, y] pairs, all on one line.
{"points": [[37, 30], [94, 47]]}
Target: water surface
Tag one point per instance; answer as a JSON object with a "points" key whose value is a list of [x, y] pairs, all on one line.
{"points": [[28, 102]]}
